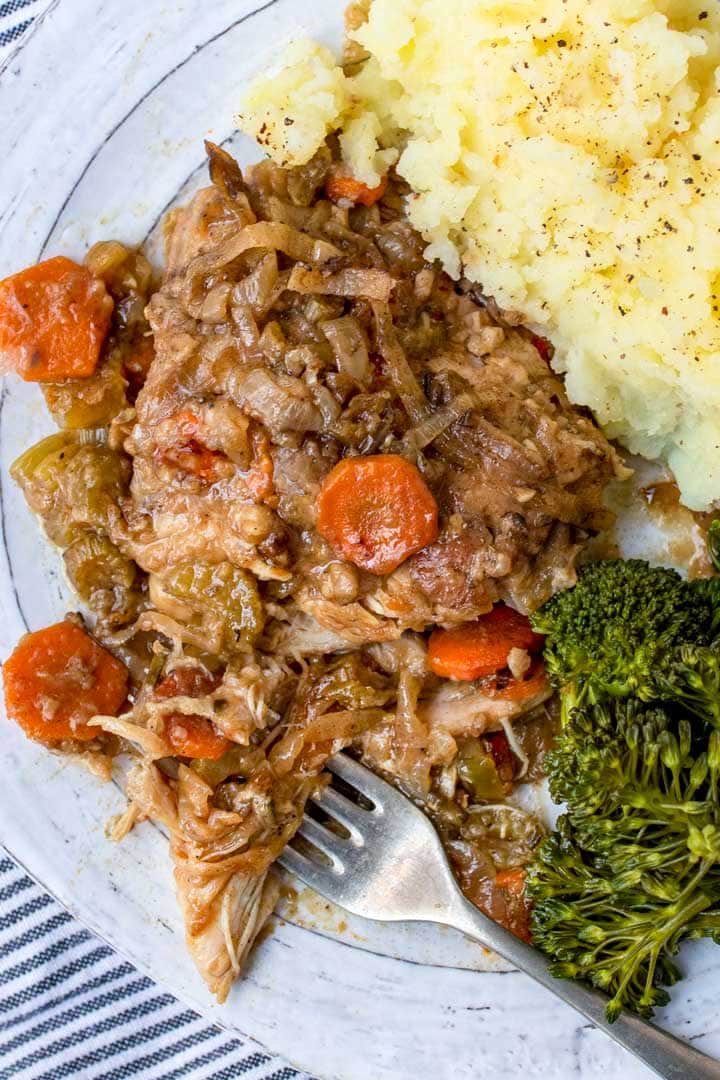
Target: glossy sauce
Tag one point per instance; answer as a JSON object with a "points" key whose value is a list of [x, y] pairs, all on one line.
{"points": [[688, 529]]}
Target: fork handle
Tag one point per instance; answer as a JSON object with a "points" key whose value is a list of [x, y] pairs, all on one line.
{"points": [[667, 1056]]}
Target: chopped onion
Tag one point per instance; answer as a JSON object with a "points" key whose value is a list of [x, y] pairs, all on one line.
{"points": [[434, 425], [258, 289], [280, 403], [348, 343]]}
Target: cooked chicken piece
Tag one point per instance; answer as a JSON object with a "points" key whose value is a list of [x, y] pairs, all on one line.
{"points": [[236, 513]]}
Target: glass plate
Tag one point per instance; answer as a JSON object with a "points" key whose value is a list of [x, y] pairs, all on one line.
{"points": [[104, 113]]}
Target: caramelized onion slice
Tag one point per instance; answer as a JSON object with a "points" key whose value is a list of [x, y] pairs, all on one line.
{"points": [[433, 426], [396, 364], [351, 282], [272, 235], [348, 343]]}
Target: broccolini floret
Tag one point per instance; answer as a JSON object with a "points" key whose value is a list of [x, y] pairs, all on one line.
{"points": [[634, 865], [638, 783], [619, 932], [606, 636], [689, 677]]}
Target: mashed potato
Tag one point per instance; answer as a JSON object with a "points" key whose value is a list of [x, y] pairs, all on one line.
{"points": [[566, 155]]}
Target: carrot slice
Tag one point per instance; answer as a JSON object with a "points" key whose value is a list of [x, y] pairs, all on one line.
{"points": [[187, 680], [341, 186], [195, 737], [377, 511], [505, 688], [191, 735], [480, 648], [54, 318], [59, 678]]}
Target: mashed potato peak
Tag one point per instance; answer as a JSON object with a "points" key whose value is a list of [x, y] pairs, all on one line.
{"points": [[566, 155]]}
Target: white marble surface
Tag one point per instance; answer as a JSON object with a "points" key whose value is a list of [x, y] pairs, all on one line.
{"points": [[104, 112]]}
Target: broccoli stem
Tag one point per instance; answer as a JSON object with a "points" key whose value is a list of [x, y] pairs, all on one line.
{"points": [[649, 948]]}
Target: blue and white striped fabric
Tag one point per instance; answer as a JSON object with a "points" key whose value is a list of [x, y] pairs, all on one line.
{"points": [[69, 1006], [16, 17]]}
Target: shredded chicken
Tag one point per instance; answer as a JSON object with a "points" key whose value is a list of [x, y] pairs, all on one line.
{"points": [[290, 334]]}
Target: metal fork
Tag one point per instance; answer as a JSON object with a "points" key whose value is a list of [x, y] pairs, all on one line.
{"points": [[387, 863]]}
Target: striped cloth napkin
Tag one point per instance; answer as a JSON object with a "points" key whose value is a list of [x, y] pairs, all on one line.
{"points": [[69, 1006], [16, 17]]}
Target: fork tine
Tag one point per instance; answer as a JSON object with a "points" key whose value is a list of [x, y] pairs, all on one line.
{"points": [[324, 840], [348, 813], [306, 870], [357, 776]]}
